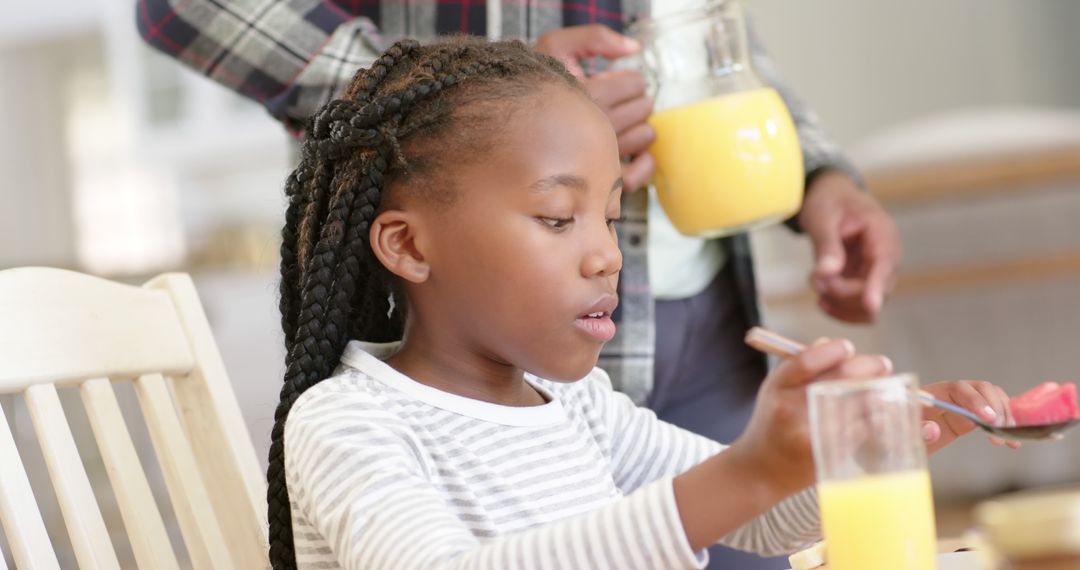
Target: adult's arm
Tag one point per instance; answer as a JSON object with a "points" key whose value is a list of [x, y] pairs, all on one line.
{"points": [[291, 56]]}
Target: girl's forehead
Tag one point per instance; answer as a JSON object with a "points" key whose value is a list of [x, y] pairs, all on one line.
{"points": [[552, 107], [530, 122], [512, 142], [558, 132]]}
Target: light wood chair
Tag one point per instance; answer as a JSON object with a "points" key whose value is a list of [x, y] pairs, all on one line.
{"points": [[62, 330]]}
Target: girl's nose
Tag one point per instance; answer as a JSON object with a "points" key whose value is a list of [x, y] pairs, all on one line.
{"points": [[603, 257]]}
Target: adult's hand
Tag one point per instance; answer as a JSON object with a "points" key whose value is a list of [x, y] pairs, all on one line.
{"points": [[856, 248], [620, 94], [572, 44]]}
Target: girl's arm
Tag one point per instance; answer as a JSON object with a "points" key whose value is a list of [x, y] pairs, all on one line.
{"points": [[290, 56], [356, 480], [645, 449]]}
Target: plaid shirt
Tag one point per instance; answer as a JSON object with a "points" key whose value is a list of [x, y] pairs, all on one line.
{"points": [[293, 56]]}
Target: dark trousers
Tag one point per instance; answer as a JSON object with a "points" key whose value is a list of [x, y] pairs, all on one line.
{"points": [[707, 379]]}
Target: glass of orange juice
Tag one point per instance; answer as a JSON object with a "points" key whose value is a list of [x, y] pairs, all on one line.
{"points": [[873, 486], [727, 153]]}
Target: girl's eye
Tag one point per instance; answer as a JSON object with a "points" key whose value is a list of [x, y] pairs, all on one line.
{"points": [[557, 223], [612, 221]]}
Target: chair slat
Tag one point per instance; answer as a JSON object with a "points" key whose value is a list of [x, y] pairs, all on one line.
{"points": [[86, 527], [25, 531], [202, 533], [215, 426], [145, 334], [142, 519]]}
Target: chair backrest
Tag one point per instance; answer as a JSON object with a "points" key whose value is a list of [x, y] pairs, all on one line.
{"points": [[61, 330]]}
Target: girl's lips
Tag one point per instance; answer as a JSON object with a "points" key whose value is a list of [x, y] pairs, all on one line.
{"points": [[599, 328], [603, 307]]}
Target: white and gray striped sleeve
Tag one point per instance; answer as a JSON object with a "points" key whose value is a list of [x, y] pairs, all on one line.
{"points": [[645, 449], [356, 476]]}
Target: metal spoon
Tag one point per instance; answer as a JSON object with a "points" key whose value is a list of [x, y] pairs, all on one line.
{"points": [[773, 343], [1016, 433]]}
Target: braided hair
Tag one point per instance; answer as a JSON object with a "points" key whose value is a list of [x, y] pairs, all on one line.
{"points": [[401, 118]]}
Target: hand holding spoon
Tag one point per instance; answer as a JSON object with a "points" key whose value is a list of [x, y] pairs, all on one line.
{"points": [[773, 343]]}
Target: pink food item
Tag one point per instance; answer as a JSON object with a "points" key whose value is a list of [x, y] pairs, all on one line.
{"points": [[1046, 403]]}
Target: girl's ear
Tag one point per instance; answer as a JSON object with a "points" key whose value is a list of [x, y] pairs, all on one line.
{"points": [[393, 237]]}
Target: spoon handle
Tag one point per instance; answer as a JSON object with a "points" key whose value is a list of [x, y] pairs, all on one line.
{"points": [[773, 343], [769, 342], [932, 401]]}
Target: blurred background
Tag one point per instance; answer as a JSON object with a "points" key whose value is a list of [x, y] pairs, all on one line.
{"points": [[963, 115]]}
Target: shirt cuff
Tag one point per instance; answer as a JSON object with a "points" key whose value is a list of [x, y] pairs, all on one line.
{"points": [[666, 512], [812, 175]]}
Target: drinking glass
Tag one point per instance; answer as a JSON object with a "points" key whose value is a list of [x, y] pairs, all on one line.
{"points": [[873, 485]]}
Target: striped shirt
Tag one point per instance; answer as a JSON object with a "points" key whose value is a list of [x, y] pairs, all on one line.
{"points": [[388, 473]]}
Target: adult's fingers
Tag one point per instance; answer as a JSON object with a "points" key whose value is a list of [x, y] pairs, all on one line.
{"points": [[630, 113], [823, 227], [848, 310], [637, 172], [636, 140], [883, 260], [574, 43], [587, 40], [611, 88]]}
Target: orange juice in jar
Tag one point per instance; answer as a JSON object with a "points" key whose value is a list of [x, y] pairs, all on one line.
{"points": [[727, 153], [728, 163]]}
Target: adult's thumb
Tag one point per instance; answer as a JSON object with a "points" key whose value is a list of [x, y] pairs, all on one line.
{"points": [[590, 40]]}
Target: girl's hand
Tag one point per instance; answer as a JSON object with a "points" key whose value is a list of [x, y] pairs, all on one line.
{"points": [[777, 440], [990, 402]]}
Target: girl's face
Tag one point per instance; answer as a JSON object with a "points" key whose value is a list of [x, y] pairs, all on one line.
{"points": [[523, 264]]}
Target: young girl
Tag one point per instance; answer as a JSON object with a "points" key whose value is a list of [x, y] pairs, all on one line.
{"points": [[449, 270]]}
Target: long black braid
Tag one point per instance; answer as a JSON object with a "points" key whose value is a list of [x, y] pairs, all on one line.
{"points": [[398, 120]]}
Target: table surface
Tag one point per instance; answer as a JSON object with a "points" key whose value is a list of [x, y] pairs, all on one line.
{"points": [[944, 545]]}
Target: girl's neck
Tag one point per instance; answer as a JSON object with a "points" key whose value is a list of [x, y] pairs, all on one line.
{"points": [[448, 366]]}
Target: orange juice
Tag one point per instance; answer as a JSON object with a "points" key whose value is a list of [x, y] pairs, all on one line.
{"points": [[879, 522], [727, 163]]}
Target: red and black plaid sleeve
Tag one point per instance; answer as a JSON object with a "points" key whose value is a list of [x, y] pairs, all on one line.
{"points": [[292, 56]]}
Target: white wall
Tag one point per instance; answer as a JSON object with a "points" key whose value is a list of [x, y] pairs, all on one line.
{"points": [[35, 201], [42, 20], [867, 64]]}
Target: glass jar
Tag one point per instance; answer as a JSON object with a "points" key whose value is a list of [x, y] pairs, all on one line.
{"points": [[1033, 531], [727, 152]]}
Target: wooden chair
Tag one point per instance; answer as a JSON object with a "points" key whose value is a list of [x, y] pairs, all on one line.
{"points": [[59, 330]]}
